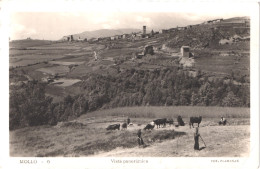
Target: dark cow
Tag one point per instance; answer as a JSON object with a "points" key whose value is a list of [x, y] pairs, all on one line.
{"points": [[113, 127], [124, 126], [180, 121], [160, 122], [195, 120], [169, 121], [222, 122], [149, 127]]}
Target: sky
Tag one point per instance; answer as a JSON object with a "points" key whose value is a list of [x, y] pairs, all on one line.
{"points": [[55, 25]]}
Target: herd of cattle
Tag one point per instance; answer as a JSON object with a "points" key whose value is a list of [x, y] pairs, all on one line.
{"points": [[159, 123]]}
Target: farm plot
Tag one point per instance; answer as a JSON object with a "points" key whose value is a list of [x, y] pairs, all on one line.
{"points": [[21, 44], [16, 52], [65, 63], [27, 60], [60, 46], [55, 70], [29, 57], [223, 63], [97, 67], [81, 70], [112, 53], [65, 82]]}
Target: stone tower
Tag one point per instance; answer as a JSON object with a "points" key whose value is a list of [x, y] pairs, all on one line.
{"points": [[144, 30]]}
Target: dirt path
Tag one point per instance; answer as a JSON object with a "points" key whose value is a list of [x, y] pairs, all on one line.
{"points": [[221, 141]]}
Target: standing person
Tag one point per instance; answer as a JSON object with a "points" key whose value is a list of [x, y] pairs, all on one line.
{"points": [[140, 139], [128, 121], [196, 139], [222, 121]]}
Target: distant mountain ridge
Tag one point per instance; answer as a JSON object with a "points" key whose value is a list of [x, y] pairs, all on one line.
{"points": [[104, 33]]}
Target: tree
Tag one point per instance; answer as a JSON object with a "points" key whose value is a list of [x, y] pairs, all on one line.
{"points": [[231, 100], [205, 94], [194, 99], [29, 106]]}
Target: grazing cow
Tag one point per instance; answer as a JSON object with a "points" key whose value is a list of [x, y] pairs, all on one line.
{"points": [[160, 122], [124, 126], [169, 121], [130, 124], [180, 121], [113, 127], [195, 120], [149, 127]]}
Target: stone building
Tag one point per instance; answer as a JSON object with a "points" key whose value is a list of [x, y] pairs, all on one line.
{"points": [[185, 51]]}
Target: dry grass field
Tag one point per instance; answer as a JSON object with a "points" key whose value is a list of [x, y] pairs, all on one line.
{"points": [[173, 112], [224, 61], [87, 135]]}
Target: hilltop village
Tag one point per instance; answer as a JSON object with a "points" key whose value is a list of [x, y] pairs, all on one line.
{"points": [[213, 24]]}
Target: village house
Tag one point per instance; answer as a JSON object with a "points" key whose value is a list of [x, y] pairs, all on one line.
{"points": [[213, 21], [71, 38], [106, 39], [185, 51], [65, 38], [163, 31], [124, 36], [138, 36], [93, 40], [81, 40], [180, 28], [112, 38], [119, 36], [100, 39], [172, 29], [68, 38], [151, 33]]}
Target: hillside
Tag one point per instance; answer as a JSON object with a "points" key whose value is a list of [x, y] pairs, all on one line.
{"points": [[237, 19], [87, 135], [73, 78], [25, 43], [65, 96]]}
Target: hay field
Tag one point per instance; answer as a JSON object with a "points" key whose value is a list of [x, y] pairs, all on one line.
{"points": [[174, 111], [87, 135]]}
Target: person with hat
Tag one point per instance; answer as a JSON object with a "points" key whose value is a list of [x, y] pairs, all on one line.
{"points": [[140, 139], [222, 121], [196, 139]]}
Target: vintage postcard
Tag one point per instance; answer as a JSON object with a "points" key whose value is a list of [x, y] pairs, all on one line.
{"points": [[141, 84]]}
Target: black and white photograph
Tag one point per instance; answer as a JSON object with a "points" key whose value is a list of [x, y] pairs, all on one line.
{"points": [[130, 84]]}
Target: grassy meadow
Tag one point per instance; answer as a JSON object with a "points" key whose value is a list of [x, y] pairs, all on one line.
{"points": [[174, 112], [77, 139], [87, 135]]}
